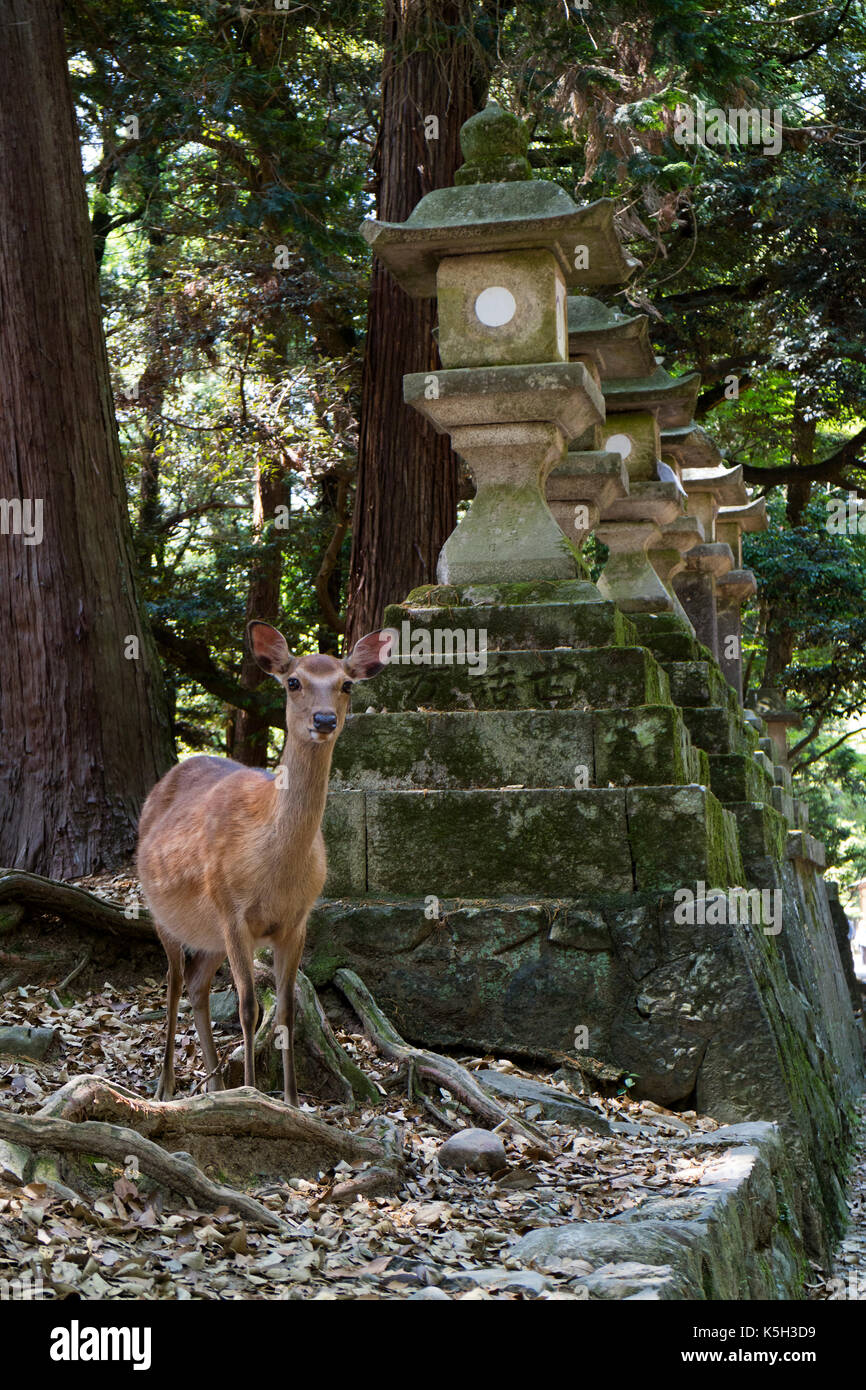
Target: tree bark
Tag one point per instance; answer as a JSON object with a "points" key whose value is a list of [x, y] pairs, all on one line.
{"points": [[408, 480], [84, 731], [249, 742], [781, 639]]}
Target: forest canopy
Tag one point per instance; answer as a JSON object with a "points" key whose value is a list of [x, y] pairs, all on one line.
{"points": [[230, 152]]}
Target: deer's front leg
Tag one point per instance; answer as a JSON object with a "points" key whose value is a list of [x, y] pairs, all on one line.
{"points": [[239, 944], [287, 958]]}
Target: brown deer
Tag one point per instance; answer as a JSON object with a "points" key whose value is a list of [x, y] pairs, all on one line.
{"points": [[232, 858]]}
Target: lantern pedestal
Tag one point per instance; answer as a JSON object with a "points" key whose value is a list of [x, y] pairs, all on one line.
{"points": [[511, 425], [630, 526], [696, 589], [667, 558]]}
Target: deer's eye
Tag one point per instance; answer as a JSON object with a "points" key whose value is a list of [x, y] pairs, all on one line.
{"points": [[347, 686], [293, 683]]}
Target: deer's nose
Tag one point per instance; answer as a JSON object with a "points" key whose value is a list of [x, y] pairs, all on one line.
{"points": [[325, 721]]}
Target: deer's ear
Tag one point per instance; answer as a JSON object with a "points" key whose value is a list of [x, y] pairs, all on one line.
{"points": [[269, 648], [369, 655]]}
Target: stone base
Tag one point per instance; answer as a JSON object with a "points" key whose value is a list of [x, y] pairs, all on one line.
{"points": [[740, 1235], [512, 851]]}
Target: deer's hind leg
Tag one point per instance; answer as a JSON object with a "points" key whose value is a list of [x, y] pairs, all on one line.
{"points": [[173, 950], [199, 969]]}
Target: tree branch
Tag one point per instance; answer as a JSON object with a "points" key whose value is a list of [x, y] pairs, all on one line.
{"points": [[192, 658], [828, 470]]}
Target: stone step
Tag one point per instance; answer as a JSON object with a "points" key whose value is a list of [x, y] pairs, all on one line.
{"points": [[802, 845], [696, 683], [784, 804], [463, 749], [763, 838], [493, 972], [602, 677], [667, 637], [559, 843], [483, 971], [782, 776], [716, 729], [510, 627], [738, 777], [763, 761]]}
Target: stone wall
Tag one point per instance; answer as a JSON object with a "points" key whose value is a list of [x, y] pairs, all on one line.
{"points": [[510, 852]]}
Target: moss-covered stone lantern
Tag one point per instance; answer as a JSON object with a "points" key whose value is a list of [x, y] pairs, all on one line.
{"points": [[500, 250]]}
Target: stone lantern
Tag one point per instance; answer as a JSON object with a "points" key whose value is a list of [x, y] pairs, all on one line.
{"points": [[499, 251], [707, 563], [734, 588], [590, 478], [667, 556], [633, 526]]}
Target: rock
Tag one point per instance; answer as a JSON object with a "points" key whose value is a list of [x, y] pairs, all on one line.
{"points": [[14, 1161], [609, 1243], [505, 1280], [479, 1150], [554, 1105], [27, 1042], [628, 1279], [430, 1292], [572, 1078], [224, 1007]]}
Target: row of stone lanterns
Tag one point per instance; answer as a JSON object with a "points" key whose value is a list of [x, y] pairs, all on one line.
{"points": [[558, 405], [662, 559]]}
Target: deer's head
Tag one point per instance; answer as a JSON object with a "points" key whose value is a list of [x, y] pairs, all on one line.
{"points": [[318, 687]]}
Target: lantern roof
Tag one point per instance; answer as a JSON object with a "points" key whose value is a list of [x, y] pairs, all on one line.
{"points": [[691, 447], [496, 205], [726, 484], [619, 343], [752, 517], [670, 398]]}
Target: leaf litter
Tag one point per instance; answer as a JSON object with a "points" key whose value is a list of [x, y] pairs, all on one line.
{"points": [[132, 1241]]}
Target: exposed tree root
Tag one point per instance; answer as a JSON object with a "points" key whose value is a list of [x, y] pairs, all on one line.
{"points": [[88, 1115], [80, 907], [324, 1068], [120, 1143], [444, 1071]]}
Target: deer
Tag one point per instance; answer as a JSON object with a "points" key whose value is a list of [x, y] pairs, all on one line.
{"points": [[232, 858]]}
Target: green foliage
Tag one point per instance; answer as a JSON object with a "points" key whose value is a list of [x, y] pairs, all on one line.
{"points": [[234, 281]]}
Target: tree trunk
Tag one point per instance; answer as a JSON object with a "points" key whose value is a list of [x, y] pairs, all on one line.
{"points": [[781, 639], [407, 490], [250, 727], [83, 727]]}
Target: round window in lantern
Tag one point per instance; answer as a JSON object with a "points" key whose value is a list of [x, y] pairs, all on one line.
{"points": [[619, 444], [495, 306]]}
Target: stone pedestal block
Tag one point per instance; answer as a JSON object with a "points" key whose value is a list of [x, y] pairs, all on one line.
{"points": [[732, 591], [696, 589], [677, 537]]}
